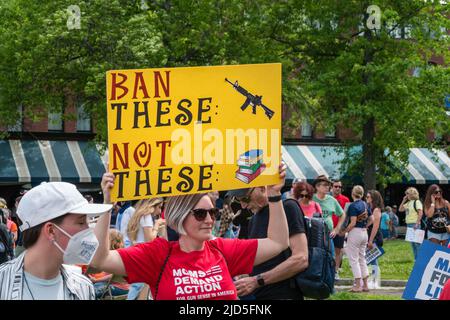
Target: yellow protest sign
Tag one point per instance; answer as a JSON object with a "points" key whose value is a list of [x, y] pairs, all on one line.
{"points": [[177, 131]]}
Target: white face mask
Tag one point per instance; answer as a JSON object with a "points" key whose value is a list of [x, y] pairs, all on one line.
{"points": [[81, 247]]}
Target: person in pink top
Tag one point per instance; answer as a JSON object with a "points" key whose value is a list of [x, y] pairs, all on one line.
{"points": [[303, 193]]}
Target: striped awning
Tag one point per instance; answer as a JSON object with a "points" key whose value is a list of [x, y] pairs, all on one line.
{"points": [[35, 161], [307, 162]]}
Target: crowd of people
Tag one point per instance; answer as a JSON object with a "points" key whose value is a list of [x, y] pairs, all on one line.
{"points": [[248, 245]]}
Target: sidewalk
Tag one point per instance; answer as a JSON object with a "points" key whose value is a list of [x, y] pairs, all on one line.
{"points": [[384, 283], [388, 287]]}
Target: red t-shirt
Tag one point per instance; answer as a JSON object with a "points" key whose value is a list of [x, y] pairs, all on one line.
{"points": [[445, 294], [342, 201], [198, 275]]}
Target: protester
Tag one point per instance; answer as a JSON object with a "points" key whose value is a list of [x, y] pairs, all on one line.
{"points": [[376, 204], [360, 214], [273, 279], [303, 193], [393, 222], [124, 205], [290, 194], [437, 210], [194, 267], [126, 217], [6, 243], [338, 240], [145, 224], [12, 227], [329, 207], [114, 213], [385, 224], [224, 226], [15, 218], [55, 231], [413, 213]]}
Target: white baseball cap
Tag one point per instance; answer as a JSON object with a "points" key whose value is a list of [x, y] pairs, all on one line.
{"points": [[54, 199]]}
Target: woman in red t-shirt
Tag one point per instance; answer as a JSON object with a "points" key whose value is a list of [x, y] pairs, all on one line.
{"points": [[194, 267]]}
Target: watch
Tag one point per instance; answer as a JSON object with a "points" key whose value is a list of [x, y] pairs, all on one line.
{"points": [[260, 280], [274, 198]]}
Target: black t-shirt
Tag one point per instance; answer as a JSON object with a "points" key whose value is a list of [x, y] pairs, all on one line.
{"points": [[258, 230]]}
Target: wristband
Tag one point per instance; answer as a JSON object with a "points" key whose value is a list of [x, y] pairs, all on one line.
{"points": [[274, 198]]}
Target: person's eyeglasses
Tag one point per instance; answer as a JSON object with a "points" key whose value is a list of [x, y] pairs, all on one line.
{"points": [[337, 187], [304, 196], [438, 191], [200, 214], [245, 199], [324, 185]]}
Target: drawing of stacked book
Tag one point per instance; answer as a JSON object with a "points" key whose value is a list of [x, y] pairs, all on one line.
{"points": [[250, 165]]}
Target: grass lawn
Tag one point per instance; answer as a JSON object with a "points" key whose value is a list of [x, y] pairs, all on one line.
{"points": [[395, 264], [362, 296]]}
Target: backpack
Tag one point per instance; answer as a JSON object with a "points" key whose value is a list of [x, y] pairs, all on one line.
{"points": [[6, 245], [317, 281]]}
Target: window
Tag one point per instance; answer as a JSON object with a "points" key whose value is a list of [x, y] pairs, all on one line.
{"points": [[18, 127], [55, 122], [83, 119], [306, 129]]}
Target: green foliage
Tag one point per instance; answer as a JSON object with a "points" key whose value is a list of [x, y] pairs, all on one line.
{"points": [[355, 75], [335, 70]]}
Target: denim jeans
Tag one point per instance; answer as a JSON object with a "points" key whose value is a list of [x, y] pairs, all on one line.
{"points": [[415, 246]]}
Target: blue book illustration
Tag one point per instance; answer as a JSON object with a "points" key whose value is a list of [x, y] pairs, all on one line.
{"points": [[255, 153]]}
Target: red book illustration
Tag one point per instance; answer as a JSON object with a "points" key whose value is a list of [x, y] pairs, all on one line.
{"points": [[246, 177]]}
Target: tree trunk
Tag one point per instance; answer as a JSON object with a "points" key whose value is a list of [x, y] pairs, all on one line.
{"points": [[369, 174], [369, 163]]}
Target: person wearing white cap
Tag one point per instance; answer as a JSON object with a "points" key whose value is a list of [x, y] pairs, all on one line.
{"points": [[55, 232]]}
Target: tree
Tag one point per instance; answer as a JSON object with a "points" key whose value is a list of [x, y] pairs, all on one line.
{"points": [[49, 51], [43, 60], [352, 75]]}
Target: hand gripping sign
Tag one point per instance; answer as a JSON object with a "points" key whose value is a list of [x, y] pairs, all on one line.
{"points": [[175, 131]]}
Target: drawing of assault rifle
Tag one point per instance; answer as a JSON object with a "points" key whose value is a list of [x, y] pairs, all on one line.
{"points": [[253, 100]]}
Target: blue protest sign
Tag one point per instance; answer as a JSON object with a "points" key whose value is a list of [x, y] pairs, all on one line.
{"points": [[430, 272], [447, 101], [374, 253]]}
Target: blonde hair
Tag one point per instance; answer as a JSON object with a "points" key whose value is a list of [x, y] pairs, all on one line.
{"points": [[143, 208], [411, 191], [178, 208], [3, 203], [115, 239], [358, 191]]}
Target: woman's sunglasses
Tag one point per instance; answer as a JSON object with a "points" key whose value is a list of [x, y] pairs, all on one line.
{"points": [[438, 192], [304, 196], [200, 214]]}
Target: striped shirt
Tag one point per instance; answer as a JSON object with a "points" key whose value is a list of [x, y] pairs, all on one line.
{"points": [[11, 282]]}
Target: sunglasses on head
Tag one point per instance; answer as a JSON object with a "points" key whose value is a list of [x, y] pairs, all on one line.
{"points": [[304, 196], [200, 214], [245, 199]]}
